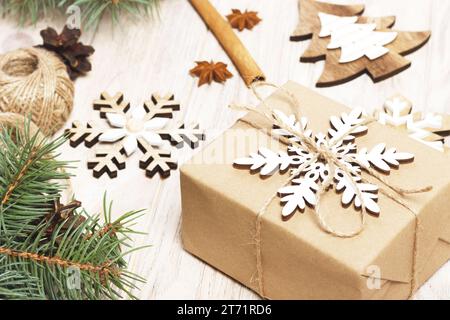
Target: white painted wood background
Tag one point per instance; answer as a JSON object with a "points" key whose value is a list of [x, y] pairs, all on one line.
{"points": [[142, 57]]}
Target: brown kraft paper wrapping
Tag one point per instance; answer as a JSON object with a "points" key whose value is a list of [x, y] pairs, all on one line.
{"points": [[300, 261]]}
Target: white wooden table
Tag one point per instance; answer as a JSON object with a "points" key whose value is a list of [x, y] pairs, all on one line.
{"points": [[142, 57]]}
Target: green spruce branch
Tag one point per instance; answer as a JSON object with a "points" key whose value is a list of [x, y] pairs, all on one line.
{"points": [[92, 11], [48, 250]]}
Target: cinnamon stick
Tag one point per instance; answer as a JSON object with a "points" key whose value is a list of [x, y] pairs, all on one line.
{"points": [[244, 62]]}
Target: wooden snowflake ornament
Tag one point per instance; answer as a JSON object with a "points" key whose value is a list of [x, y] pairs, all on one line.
{"points": [[308, 170], [143, 128], [427, 128], [352, 44]]}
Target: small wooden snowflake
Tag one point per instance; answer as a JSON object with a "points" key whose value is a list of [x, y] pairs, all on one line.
{"points": [[143, 128], [398, 112], [340, 140]]}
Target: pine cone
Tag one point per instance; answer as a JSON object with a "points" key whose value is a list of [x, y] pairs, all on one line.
{"points": [[74, 54], [63, 216]]}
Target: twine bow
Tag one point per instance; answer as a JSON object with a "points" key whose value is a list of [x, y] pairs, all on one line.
{"points": [[322, 151]]}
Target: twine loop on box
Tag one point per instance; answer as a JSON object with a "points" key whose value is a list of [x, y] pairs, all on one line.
{"points": [[35, 82], [325, 153]]}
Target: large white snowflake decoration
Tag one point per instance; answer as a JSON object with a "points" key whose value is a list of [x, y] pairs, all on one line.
{"points": [[397, 112], [355, 39], [143, 128], [340, 140]]}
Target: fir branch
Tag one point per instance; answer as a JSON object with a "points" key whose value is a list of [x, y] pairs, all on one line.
{"points": [[29, 179], [92, 11], [18, 179], [43, 246], [28, 10], [102, 270], [17, 285]]}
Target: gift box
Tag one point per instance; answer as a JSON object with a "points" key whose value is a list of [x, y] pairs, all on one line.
{"points": [[232, 221]]}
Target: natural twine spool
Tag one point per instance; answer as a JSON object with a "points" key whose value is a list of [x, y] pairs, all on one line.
{"points": [[34, 81]]}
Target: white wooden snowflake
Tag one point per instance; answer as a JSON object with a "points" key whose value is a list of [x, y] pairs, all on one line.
{"points": [[144, 128], [397, 112], [355, 39], [340, 140]]}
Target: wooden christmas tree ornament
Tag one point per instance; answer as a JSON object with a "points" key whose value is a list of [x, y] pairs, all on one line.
{"points": [[353, 44], [143, 129]]}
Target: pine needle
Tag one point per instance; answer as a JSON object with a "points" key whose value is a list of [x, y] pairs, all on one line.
{"points": [[73, 257], [92, 11]]}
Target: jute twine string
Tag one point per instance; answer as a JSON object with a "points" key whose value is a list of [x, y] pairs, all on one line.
{"points": [[35, 82], [325, 153]]}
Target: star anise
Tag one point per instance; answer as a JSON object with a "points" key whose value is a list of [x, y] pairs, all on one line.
{"points": [[210, 71], [73, 53], [247, 19]]}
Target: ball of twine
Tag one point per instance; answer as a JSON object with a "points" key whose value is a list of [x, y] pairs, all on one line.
{"points": [[34, 81]]}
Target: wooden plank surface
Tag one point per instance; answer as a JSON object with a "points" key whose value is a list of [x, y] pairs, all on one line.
{"points": [[141, 57]]}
